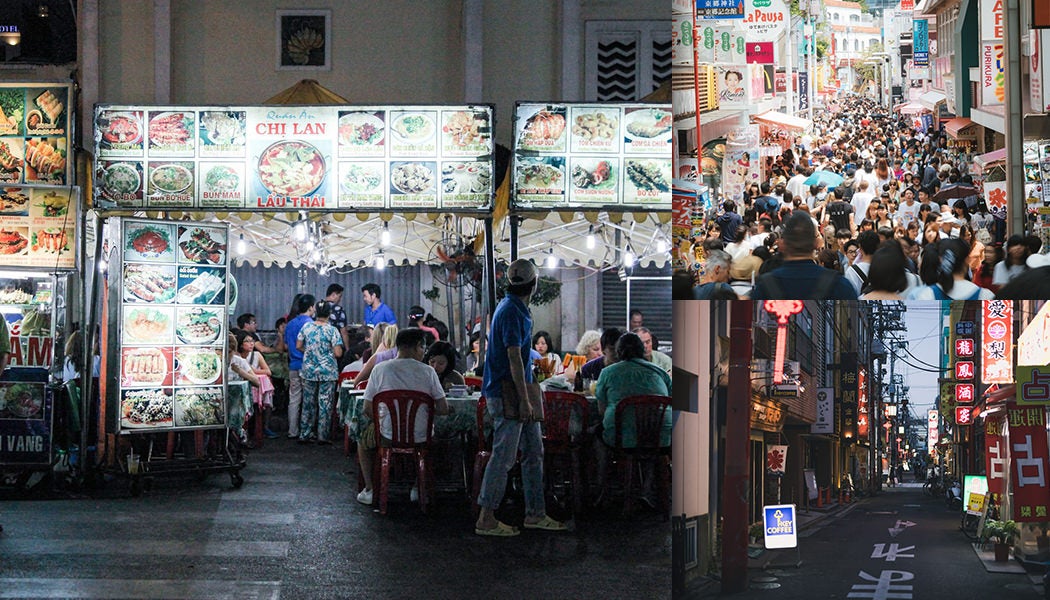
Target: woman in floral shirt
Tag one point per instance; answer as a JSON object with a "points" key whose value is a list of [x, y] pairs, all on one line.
{"points": [[321, 345]]}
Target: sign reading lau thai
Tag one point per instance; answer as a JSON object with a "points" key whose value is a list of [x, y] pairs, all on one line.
{"points": [[277, 158], [780, 529]]}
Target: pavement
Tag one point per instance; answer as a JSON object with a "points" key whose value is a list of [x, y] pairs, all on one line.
{"points": [[294, 530]]}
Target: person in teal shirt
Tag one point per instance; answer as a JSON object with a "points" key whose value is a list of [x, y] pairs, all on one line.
{"points": [[631, 375]]}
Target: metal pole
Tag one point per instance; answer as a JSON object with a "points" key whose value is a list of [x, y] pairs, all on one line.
{"points": [[1014, 119], [789, 51], [811, 88], [737, 488]]}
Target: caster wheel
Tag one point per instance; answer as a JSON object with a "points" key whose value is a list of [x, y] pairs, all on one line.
{"points": [[236, 480]]}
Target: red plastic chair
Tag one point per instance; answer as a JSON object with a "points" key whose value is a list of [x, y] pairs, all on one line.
{"points": [[648, 413], [559, 443], [347, 376], [403, 407], [481, 455], [472, 382], [344, 376]]}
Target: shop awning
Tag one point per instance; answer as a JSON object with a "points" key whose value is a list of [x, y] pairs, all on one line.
{"points": [[931, 99], [990, 158], [955, 127], [911, 108], [784, 121]]}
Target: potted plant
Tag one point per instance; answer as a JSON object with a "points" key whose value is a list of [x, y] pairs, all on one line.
{"points": [[756, 533], [1002, 533]]}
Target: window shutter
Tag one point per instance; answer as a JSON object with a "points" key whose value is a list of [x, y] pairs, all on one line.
{"points": [[626, 60]]}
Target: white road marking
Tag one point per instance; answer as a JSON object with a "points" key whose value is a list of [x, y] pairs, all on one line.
{"points": [[893, 553], [884, 587]]}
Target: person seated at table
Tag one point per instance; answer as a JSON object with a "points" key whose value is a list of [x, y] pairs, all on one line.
{"points": [[475, 361], [386, 350], [590, 344], [262, 395], [593, 368], [630, 375], [544, 346], [249, 324], [417, 318], [405, 372], [239, 370], [442, 357]]}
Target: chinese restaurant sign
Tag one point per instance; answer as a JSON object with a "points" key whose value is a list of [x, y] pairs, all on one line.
{"points": [[932, 430], [38, 226], [994, 455], [172, 354], [276, 158], [1028, 461], [862, 405], [997, 341], [1033, 386], [592, 155], [848, 389]]}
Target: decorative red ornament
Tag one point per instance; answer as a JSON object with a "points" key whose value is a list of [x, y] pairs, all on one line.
{"points": [[783, 309]]}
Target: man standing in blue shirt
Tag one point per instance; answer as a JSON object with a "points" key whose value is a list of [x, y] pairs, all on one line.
{"points": [[507, 360], [305, 309], [375, 311]]}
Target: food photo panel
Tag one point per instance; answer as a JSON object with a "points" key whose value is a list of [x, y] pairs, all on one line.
{"points": [[145, 367], [199, 407], [149, 242], [222, 133], [147, 325], [201, 285], [148, 283], [198, 325], [120, 182], [171, 133], [119, 133], [465, 133], [198, 366], [202, 245], [413, 133], [362, 133], [147, 408]]}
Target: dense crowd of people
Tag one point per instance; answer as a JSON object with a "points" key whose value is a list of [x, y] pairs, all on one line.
{"points": [[901, 219]]}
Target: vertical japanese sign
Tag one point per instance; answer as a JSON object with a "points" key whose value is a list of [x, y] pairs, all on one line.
{"points": [[825, 422], [803, 91], [848, 389], [932, 430], [862, 404], [921, 42], [1028, 461], [994, 455], [993, 75], [997, 341]]}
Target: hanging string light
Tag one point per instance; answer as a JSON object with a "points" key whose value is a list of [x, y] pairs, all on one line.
{"points": [[552, 261], [628, 255], [591, 241], [242, 247], [384, 236], [380, 262]]}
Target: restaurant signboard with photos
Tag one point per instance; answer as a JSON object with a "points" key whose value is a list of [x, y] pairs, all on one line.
{"points": [[590, 155], [287, 158], [172, 325], [35, 129], [38, 226]]}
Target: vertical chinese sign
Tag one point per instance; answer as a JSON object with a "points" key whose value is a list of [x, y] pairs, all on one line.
{"points": [[862, 405], [932, 431], [1028, 461], [997, 342], [994, 457], [848, 391]]}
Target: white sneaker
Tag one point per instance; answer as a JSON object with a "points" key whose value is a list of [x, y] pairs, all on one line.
{"points": [[414, 494], [365, 497]]}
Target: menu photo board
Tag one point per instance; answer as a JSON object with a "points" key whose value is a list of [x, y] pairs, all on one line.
{"points": [[172, 342], [38, 226], [277, 158], [592, 155], [35, 128]]}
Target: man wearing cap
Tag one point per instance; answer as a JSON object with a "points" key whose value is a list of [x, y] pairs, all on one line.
{"points": [[506, 359]]}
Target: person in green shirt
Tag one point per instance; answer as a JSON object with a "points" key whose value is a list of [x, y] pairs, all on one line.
{"points": [[631, 375]]}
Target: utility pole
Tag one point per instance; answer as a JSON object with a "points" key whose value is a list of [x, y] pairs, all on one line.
{"points": [[1014, 103], [737, 486]]}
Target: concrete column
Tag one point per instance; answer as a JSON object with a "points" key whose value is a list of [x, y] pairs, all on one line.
{"points": [[162, 51], [473, 50], [88, 58]]}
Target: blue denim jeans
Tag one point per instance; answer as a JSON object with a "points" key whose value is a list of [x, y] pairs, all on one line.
{"points": [[508, 436]]}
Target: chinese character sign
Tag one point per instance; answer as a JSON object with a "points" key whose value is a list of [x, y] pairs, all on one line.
{"points": [[862, 404], [1033, 385], [848, 389], [720, 9], [1028, 461], [964, 415], [932, 430], [964, 393], [994, 455], [963, 347], [997, 341], [964, 369]]}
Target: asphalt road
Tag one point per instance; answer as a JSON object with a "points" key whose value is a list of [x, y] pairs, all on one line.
{"points": [[294, 531], [854, 556]]}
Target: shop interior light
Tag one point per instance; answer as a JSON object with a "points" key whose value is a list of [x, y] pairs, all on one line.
{"points": [[384, 236], [380, 261], [552, 261], [241, 246], [591, 241], [628, 256], [316, 256]]}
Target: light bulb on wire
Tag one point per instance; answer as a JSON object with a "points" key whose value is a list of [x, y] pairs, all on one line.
{"points": [[384, 236], [662, 246], [241, 246], [299, 231], [628, 257], [380, 261], [591, 241], [552, 261]]}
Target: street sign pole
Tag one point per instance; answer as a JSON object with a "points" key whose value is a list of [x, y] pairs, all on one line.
{"points": [[736, 491], [1014, 122]]}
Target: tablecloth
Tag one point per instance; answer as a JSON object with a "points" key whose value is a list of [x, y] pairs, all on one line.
{"points": [[461, 420]]}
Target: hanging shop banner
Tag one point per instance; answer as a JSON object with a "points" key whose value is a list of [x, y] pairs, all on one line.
{"points": [[825, 422], [592, 155], [932, 430], [920, 42], [275, 158], [995, 197], [35, 129], [734, 86], [765, 20], [720, 9], [997, 341], [38, 226], [907, 4], [993, 74], [720, 42], [741, 166], [1033, 386], [1033, 345], [995, 454], [172, 346], [1028, 461], [991, 20], [776, 460], [760, 53], [863, 418], [803, 91]]}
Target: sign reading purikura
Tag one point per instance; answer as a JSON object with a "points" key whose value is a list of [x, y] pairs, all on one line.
{"points": [[286, 158]]}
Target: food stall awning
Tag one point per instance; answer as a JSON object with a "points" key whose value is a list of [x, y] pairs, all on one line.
{"points": [[990, 158], [956, 126], [784, 121], [911, 108], [931, 99], [310, 92]]}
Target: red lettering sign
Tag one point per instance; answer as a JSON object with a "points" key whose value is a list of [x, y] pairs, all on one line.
{"points": [[964, 347], [964, 369], [964, 393], [1028, 462], [963, 415]]}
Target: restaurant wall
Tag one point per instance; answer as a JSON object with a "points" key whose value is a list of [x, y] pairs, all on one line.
{"points": [[125, 55]]}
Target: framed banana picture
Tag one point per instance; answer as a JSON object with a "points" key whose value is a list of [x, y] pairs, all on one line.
{"points": [[304, 40]]}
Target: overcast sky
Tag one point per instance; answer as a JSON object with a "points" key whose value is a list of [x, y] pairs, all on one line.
{"points": [[923, 321]]}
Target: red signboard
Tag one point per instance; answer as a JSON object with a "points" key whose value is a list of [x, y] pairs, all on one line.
{"points": [[964, 369], [862, 404], [1040, 14], [997, 341], [964, 393], [964, 347], [1028, 461], [964, 415], [995, 456], [907, 4], [759, 53]]}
